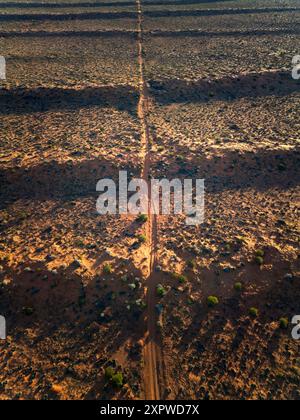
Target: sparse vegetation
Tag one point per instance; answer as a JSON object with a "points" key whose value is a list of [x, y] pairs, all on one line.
{"points": [[259, 260], [180, 277], [161, 292], [283, 323], [118, 380], [253, 312], [142, 218], [115, 378], [238, 286], [107, 268], [212, 301], [142, 238], [109, 372], [191, 264]]}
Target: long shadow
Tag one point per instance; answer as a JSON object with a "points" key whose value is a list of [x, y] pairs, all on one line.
{"points": [[250, 85], [207, 34], [70, 34], [152, 33], [261, 170], [26, 101], [217, 12], [66, 310], [133, 15], [53, 180], [15, 5], [65, 17]]}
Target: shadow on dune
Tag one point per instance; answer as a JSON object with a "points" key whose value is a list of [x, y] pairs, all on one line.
{"points": [[133, 15], [53, 180], [233, 170], [217, 12], [149, 34], [200, 34], [26, 101], [228, 88], [91, 4], [69, 34], [30, 17]]}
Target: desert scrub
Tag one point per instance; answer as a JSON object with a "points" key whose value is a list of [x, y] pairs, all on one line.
{"points": [[238, 286], [212, 301], [107, 269], [28, 311], [259, 257], [109, 372], [117, 380], [191, 264], [260, 253], [253, 312], [161, 292], [142, 238], [283, 323], [180, 277], [142, 218], [259, 260]]}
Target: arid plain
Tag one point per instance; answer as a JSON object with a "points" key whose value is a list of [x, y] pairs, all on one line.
{"points": [[125, 307]]}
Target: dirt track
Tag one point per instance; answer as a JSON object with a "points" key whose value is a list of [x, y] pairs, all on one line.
{"points": [[152, 353]]}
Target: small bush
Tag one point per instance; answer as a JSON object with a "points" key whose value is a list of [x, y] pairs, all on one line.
{"points": [[259, 260], [160, 291], [191, 264], [142, 218], [109, 372], [238, 287], [142, 238], [260, 253], [107, 269], [212, 301], [182, 279], [27, 311], [117, 380], [284, 323], [254, 312]]}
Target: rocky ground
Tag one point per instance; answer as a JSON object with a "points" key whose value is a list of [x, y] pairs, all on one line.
{"points": [[223, 107]]}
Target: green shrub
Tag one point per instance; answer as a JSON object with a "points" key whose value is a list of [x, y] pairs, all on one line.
{"points": [[182, 279], [191, 264], [212, 301], [260, 253], [284, 323], [238, 287], [259, 260], [107, 269], [254, 312], [142, 218], [27, 311], [160, 291], [142, 238], [109, 372], [117, 380]]}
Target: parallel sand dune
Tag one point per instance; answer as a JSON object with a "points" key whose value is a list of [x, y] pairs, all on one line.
{"points": [[127, 307]]}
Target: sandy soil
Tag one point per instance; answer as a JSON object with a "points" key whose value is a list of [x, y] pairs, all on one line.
{"points": [[204, 91]]}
